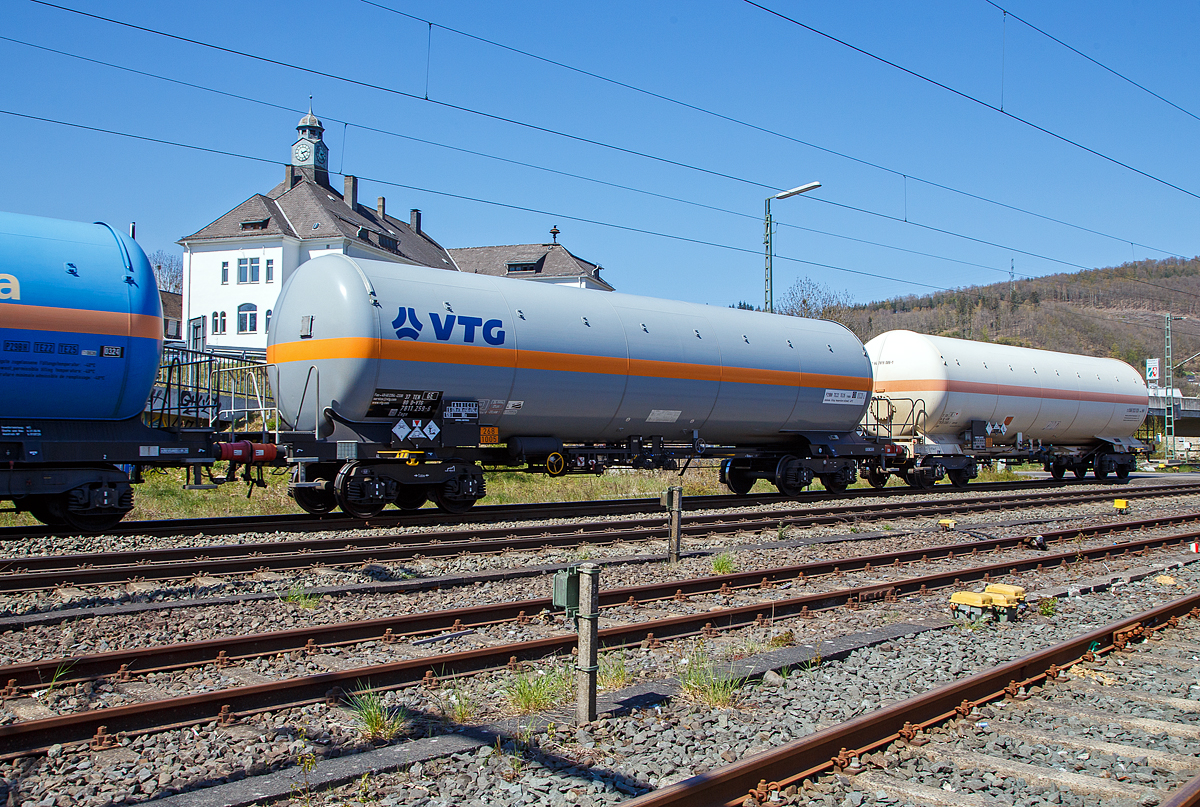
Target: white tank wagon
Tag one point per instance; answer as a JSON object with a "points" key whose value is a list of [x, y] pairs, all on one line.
{"points": [[953, 402], [414, 375]]}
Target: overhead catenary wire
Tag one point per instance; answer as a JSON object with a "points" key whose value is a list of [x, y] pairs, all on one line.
{"points": [[904, 175], [972, 99], [569, 174], [577, 138], [1094, 61]]}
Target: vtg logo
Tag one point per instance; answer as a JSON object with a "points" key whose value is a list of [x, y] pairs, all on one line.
{"points": [[409, 326]]}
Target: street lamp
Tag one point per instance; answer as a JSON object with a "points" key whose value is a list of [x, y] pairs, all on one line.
{"points": [[769, 293]]}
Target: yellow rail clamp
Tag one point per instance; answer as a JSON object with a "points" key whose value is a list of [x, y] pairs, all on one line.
{"points": [[1014, 594], [1121, 506], [946, 524]]}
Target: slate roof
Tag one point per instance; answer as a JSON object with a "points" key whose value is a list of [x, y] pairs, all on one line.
{"points": [[172, 304], [294, 211], [547, 260]]}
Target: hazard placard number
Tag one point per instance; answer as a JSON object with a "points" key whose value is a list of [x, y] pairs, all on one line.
{"points": [[489, 435]]}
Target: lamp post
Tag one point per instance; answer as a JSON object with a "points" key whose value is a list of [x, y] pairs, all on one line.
{"points": [[769, 292]]}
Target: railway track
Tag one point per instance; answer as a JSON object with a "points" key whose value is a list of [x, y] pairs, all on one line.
{"points": [[39, 572], [1028, 719], [229, 704], [303, 522], [140, 661]]}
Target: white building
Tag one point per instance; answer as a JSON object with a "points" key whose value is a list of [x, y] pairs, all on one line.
{"points": [[234, 268]]}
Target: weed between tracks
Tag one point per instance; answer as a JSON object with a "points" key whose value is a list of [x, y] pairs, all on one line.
{"points": [[539, 690], [704, 683], [723, 564], [300, 596], [376, 720]]}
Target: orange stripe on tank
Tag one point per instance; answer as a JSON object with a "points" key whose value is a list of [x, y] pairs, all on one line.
{"points": [[78, 320], [1008, 390], [478, 356]]}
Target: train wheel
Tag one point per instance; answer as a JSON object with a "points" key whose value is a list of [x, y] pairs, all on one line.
{"points": [[448, 505], [350, 506], [1101, 473], [1122, 472], [833, 483], [918, 480], [786, 477], [876, 478], [1080, 470], [738, 481], [314, 501], [959, 478], [1058, 471], [411, 497], [94, 521]]}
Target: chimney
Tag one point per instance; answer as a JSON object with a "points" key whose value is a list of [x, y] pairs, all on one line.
{"points": [[289, 177], [351, 194], [415, 221], [381, 207]]}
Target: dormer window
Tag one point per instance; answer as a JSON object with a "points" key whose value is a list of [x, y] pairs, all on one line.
{"points": [[519, 268], [256, 224], [388, 243]]}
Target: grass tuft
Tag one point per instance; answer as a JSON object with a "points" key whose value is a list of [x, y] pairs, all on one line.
{"points": [[723, 564], [376, 721], [539, 690], [1048, 606], [458, 705], [613, 674], [702, 682], [300, 596]]}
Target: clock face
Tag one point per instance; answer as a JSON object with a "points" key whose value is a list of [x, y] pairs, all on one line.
{"points": [[302, 152], [321, 156]]}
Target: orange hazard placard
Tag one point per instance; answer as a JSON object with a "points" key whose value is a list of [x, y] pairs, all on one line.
{"points": [[489, 435]]}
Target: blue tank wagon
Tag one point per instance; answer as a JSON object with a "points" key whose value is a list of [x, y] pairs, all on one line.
{"points": [[414, 375], [80, 342]]}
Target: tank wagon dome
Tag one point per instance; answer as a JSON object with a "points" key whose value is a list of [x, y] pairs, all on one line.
{"points": [[80, 320], [571, 364], [942, 384]]}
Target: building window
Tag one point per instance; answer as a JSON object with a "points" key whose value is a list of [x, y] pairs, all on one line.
{"points": [[270, 270], [267, 327], [216, 323], [247, 270], [514, 268], [388, 243], [222, 322], [257, 224], [247, 318], [224, 273]]}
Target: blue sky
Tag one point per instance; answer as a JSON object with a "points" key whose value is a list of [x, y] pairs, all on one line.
{"points": [[725, 56]]}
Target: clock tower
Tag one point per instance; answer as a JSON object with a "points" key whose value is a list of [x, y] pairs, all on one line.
{"points": [[309, 150]]}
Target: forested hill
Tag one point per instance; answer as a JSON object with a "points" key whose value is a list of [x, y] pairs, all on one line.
{"points": [[1117, 312]]}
